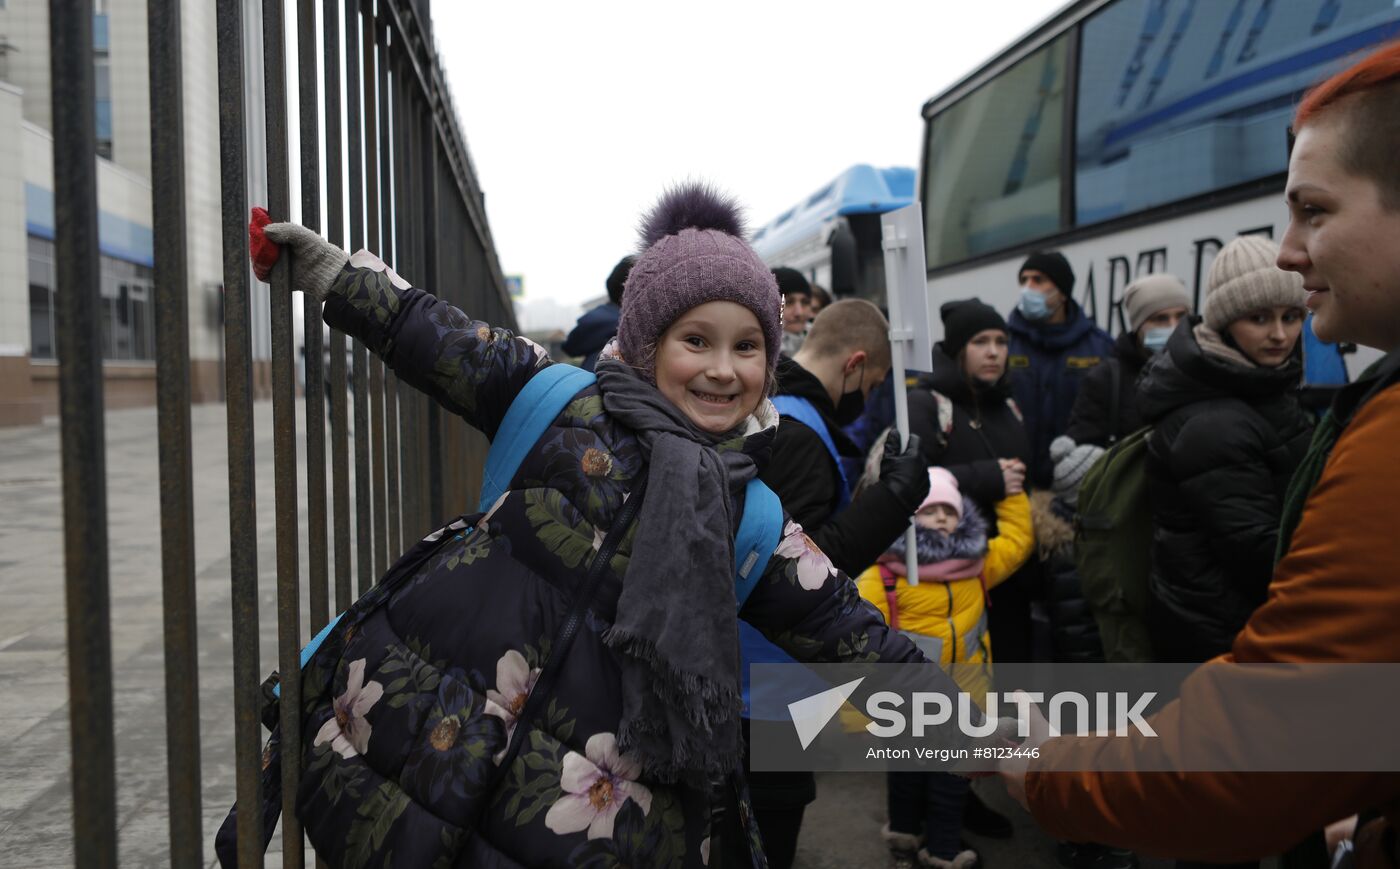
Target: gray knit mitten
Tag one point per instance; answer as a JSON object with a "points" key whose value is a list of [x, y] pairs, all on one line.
{"points": [[315, 261]]}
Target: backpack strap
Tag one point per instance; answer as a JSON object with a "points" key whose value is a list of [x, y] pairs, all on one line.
{"points": [[536, 406], [890, 581], [802, 410], [760, 530], [310, 649]]}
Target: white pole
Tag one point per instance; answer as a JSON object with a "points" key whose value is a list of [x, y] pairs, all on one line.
{"points": [[901, 424], [906, 293]]}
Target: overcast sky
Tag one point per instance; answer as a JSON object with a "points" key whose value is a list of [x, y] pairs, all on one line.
{"points": [[578, 114]]}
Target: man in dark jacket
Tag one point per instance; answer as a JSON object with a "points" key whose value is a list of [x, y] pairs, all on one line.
{"points": [[820, 390], [596, 328], [1107, 407], [1053, 346], [846, 354], [797, 306]]}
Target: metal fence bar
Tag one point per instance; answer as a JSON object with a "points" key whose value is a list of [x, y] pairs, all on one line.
{"points": [[284, 448], [308, 104], [355, 130], [374, 240], [335, 222], [428, 185], [83, 434], [409, 404], [173, 411], [389, 248], [238, 376]]}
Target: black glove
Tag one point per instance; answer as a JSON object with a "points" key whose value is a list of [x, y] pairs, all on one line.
{"points": [[904, 472]]}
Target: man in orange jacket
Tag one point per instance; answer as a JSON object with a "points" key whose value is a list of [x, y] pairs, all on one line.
{"points": [[1335, 594]]}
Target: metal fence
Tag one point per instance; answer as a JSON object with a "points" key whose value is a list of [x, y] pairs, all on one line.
{"points": [[397, 180]]}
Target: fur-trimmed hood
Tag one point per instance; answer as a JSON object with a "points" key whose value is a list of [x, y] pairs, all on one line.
{"points": [[968, 540], [1053, 522]]}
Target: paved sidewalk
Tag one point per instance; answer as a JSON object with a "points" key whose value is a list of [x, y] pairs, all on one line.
{"points": [[35, 802]]}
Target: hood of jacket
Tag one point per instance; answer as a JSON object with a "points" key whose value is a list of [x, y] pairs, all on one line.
{"points": [[798, 382], [1130, 353], [947, 380], [968, 540], [1053, 337], [1184, 374], [1053, 522], [593, 330]]}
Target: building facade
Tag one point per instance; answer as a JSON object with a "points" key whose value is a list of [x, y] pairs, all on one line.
{"points": [[28, 364]]}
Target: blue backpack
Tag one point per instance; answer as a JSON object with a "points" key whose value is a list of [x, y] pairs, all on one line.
{"points": [[541, 401]]}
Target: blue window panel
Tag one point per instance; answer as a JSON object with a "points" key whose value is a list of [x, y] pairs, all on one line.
{"points": [[100, 38]]}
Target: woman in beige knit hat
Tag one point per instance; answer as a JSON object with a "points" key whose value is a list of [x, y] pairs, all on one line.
{"points": [[1255, 307], [1228, 432], [1106, 409]]}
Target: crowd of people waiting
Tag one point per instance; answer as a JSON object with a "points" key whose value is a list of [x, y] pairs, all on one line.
{"points": [[425, 696]]}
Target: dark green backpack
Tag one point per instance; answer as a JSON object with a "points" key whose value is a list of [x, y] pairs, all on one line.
{"points": [[1113, 546]]}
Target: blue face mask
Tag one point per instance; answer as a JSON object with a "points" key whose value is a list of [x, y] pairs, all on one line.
{"points": [[1033, 305], [1154, 340]]}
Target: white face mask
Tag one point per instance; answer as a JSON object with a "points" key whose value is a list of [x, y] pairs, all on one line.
{"points": [[1155, 340], [1033, 305]]}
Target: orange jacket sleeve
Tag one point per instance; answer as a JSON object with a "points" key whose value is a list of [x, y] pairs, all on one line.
{"points": [[1335, 597]]}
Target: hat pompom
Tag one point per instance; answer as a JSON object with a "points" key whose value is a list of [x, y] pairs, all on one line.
{"points": [[692, 205], [1061, 447]]}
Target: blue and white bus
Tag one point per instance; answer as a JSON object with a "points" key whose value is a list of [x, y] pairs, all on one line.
{"points": [[1134, 136], [833, 235]]}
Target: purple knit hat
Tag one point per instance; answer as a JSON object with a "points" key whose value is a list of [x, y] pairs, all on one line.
{"points": [[692, 252]]}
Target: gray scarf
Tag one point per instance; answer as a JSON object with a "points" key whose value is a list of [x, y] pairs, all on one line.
{"points": [[676, 629]]}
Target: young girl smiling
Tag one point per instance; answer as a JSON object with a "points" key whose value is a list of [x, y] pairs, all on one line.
{"points": [[441, 657]]}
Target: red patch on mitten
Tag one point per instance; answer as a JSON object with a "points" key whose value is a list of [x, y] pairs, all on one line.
{"points": [[263, 250]]}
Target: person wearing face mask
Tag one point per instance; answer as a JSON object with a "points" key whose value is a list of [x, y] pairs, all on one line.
{"points": [[820, 390], [1228, 433], [1106, 409], [1053, 348]]}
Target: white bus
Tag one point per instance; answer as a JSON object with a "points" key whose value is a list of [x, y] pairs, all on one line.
{"points": [[1134, 136]]}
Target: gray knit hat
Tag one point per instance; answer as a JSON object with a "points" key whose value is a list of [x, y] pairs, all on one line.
{"points": [[693, 251], [1152, 294], [1245, 278], [1072, 461]]}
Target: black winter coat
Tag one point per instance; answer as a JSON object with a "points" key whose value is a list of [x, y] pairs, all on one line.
{"points": [[1226, 440], [804, 475], [967, 432], [984, 425], [1074, 632], [1092, 421], [408, 705]]}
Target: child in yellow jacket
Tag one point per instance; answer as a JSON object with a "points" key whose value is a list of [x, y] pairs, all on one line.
{"points": [[945, 615]]}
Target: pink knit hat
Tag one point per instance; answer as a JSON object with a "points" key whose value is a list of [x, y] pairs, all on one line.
{"points": [[943, 489], [693, 252]]}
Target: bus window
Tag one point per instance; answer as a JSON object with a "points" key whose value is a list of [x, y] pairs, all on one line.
{"points": [[992, 165], [1182, 97]]}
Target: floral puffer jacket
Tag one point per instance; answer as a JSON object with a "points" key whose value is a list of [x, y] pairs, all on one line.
{"points": [[408, 710]]}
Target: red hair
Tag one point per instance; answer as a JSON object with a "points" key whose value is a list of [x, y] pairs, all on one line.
{"points": [[1367, 95], [1380, 68]]}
